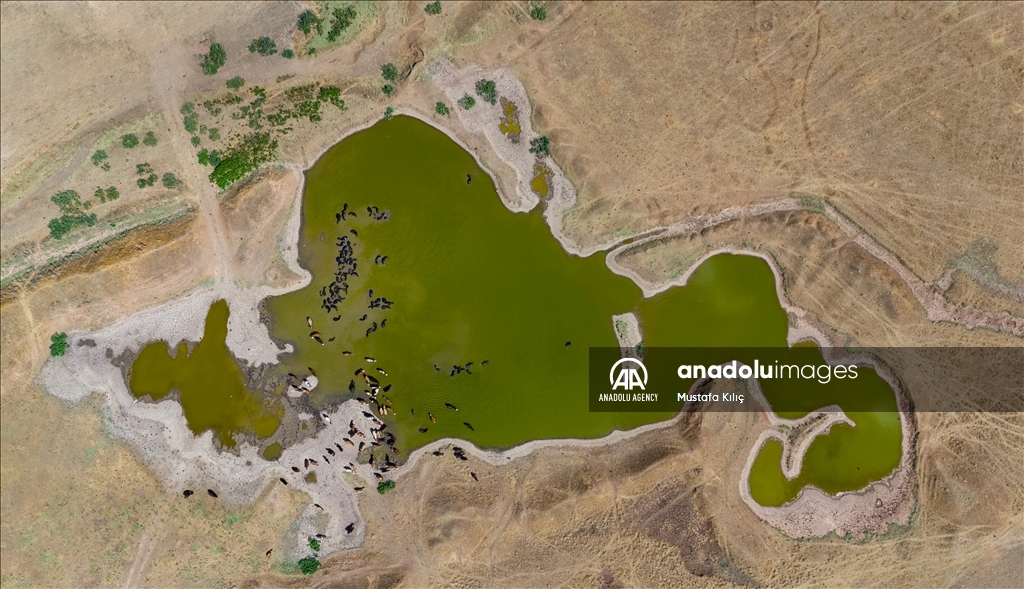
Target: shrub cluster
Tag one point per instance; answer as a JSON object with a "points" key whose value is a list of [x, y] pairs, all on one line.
{"points": [[213, 60]]}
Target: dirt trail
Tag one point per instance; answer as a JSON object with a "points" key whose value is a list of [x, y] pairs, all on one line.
{"points": [[170, 76]]}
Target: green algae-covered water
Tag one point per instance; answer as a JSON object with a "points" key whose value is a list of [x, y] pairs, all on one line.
{"points": [[467, 284], [210, 384]]}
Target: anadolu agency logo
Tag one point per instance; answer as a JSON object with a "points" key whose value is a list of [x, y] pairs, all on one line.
{"points": [[627, 377]]}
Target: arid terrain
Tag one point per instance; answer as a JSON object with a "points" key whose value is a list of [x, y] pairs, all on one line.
{"points": [[895, 128]]}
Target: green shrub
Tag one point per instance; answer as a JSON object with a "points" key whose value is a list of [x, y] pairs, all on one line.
{"points": [[287, 54], [388, 113], [308, 21], [467, 102], [191, 122], [387, 89], [70, 205], [538, 13], [343, 18], [311, 51], [129, 141], [171, 181], [149, 139], [389, 72], [98, 157], [147, 181], [195, 141], [314, 544], [112, 193], [487, 90], [58, 344], [331, 94], [441, 109], [264, 46], [540, 146], [385, 486], [235, 83], [100, 195], [213, 60], [434, 8], [246, 156], [309, 565], [214, 134]]}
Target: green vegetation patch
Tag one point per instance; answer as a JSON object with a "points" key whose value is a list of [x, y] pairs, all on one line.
{"points": [[389, 112], [191, 120], [433, 8], [487, 90], [441, 109], [467, 102], [343, 18], [146, 175], [235, 83], [309, 565], [308, 21], [99, 157], [58, 344], [171, 181], [314, 544], [106, 195], [538, 12], [385, 486], [264, 46], [287, 54], [129, 141], [149, 139], [389, 72], [244, 157], [387, 89], [540, 146], [70, 205], [214, 60]]}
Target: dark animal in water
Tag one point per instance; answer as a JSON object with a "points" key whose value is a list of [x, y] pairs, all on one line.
{"points": [[337, 217], [283, 482], [383, 322], [336, 318], [567, 344], [437, 368], [352, 386], [486, 362], [452, 374], [211, 493], [353, 232], [423, 430], [450, 406], [363, 318], [350, 528], [358, 372], [187, 493], [431, 416], [469, 179], [467, 424], [387, 388], [370, 294], [331, 340]]}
